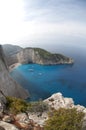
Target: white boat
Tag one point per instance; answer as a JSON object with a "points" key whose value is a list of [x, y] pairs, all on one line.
{"points": [[31, 70]]}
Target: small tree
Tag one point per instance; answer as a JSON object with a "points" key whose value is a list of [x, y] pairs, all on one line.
{"points": [[64, 119]]}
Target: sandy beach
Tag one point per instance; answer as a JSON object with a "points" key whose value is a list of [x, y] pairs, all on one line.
{"points": [[11, 67]]}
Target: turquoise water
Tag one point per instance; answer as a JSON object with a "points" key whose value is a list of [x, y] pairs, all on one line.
{"points": [[43, 81]]}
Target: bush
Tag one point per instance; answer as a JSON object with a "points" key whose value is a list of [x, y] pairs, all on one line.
{"points": [[16, 105], [39, 106], [64, 119]]}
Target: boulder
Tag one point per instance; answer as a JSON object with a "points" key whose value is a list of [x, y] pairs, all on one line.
{"points": [[22, 120], [7, 126], [8, 119]]}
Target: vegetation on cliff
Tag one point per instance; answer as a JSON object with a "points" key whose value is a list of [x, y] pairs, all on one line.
{"points": [[16, 105], [38, 106], [60, 119], [52, 58], [65, 119], [43, 53]]}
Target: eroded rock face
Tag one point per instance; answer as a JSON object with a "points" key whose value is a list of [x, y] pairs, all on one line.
{"points": [[3, 102], [57, 101], [16, 54], [7, 85], [40, 56], [26, 56], [10, 50]]}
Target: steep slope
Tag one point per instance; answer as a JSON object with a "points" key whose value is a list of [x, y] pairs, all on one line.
{"points": [[40, 56], [7, 85], [10, 50]]}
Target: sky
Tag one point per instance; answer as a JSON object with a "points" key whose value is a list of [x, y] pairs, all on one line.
{"points": [[43, 22]]}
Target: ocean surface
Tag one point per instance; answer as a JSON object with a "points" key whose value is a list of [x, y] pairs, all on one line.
{"points": [[43, 81]]}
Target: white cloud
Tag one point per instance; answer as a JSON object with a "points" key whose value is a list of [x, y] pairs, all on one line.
{"points": [[42, 24], [11, 16]]}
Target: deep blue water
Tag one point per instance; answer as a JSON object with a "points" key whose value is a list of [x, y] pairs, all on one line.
{"points": [[43, 81]]}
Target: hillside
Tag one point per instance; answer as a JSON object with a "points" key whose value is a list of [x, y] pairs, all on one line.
{"points": [[10, 50]]}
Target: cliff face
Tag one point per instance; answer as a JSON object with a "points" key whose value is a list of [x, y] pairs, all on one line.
{"points": [[7, 85], [40, 56], [10, 52], [16, 54]]}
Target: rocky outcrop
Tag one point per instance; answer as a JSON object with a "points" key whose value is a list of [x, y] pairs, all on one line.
{"points": [[57, 101], [7, 85], [21, 121], [40, 56]]}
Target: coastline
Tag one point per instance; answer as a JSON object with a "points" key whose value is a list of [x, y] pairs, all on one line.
{"points": [[13, 66]]}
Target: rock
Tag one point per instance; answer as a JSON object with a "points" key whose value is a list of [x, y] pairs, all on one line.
{"points": [[57, 101], [38, 127], [7, 85], [7, 126], [10, 50], [40, 56], [80, 108], [1, 128], [8, 119], [38, 119], [22, 120], [3, 102], [22, 117], [16, 54]]}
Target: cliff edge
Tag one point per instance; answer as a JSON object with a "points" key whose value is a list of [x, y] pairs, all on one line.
{"points": [[15, 54], [7, 85], [41, 56]]}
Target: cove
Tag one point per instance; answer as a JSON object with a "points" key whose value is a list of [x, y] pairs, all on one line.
{"points": [[42, 81]]}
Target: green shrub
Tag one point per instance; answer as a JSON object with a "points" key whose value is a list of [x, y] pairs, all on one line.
{"points": [[43, 53], [64, 119], [16, 105], [38, 106]]}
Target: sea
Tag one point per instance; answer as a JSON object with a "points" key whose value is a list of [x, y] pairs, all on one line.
{"points": [[42, 81]]}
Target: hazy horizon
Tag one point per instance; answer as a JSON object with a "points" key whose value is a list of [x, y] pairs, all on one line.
{"points": [[43, 23]]}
